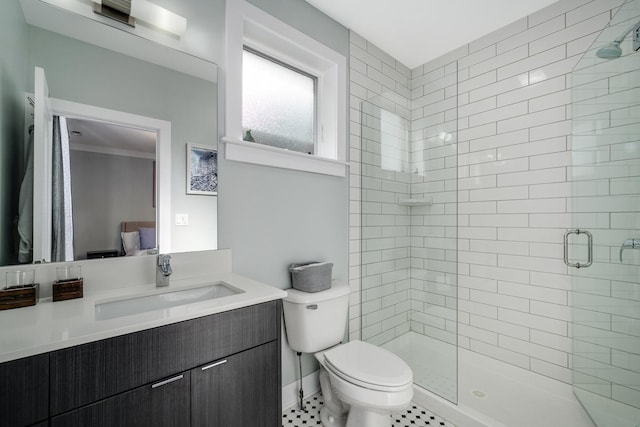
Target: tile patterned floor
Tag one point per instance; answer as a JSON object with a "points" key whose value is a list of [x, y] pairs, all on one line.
{"points": [[415, 416]]}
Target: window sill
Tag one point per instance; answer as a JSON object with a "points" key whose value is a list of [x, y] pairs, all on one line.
{"points": [[250, 152]]}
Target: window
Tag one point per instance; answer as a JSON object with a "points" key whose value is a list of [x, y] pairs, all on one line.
{"points": [[278, 104], [289, 90]]}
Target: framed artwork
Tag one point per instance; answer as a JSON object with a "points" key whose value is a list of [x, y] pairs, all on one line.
{"points": [[202, 170]]}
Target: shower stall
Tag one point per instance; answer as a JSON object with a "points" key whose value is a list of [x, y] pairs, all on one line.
{"points": [[415, 226]]}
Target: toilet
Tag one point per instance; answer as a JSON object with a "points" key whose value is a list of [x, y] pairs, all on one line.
{"points": [[361, 383]]}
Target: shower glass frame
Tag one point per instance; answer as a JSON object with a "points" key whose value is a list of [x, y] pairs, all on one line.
{"points": [[409, 229]]}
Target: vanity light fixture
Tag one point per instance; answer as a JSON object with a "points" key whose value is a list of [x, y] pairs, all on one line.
{"points": [[119, 10], [131, 11]]}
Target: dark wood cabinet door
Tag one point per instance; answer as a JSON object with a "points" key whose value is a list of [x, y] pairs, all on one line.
{"points": [[162, 404], [238, 391], [87, 373], [24, 391]]}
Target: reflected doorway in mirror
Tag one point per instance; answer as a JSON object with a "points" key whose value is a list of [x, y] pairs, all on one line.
{"points": [[202, 170], [107, 208]]}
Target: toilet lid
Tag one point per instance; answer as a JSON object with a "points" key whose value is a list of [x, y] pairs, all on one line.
{"points": [[368, 365]]}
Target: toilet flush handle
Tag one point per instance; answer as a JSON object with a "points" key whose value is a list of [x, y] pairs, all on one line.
{"points": [[312, 307]]}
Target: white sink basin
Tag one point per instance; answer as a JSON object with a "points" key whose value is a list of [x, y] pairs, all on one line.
{"points": [[141, 304]]}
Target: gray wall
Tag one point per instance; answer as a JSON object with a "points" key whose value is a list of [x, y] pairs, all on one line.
{"points": [[12, 86], [83, 73], [107, 190], [273, 217]]}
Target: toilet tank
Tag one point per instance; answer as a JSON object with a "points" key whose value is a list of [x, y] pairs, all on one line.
{"points": [[316, 321]]}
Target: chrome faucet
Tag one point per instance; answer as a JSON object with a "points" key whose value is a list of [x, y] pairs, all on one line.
{"points": [[163, 270], [629, 244]]}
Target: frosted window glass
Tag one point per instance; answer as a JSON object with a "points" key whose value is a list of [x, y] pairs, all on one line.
{"points": [[278, 104]]}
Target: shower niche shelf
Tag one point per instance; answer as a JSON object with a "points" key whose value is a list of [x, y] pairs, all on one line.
{"points": [[415, 201]]}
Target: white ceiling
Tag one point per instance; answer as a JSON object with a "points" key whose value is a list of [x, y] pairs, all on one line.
{"points": [[417, 31], [107, 138]]}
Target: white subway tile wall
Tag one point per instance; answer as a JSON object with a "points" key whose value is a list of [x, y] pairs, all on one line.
{"points": [[490, 127]]}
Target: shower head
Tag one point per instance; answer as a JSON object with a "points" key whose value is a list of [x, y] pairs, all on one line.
{"points": [[610, 51]]}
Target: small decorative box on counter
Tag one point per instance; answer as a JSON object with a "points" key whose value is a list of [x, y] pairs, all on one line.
{"points": [[311, 277], [67, 289], [69, 283], [21, 291], [19, 296]]}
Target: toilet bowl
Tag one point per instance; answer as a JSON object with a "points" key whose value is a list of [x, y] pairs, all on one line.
{"points": [[361, 384]]}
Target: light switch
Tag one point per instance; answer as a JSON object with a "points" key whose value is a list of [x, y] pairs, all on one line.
{"points": [[182, 219]]}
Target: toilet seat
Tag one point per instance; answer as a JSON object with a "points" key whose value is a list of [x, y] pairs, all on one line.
{"points": [[369, 366]]}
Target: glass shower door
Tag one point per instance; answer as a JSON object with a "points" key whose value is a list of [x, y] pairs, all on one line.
{"points": [[409, 231], [605, 175]]}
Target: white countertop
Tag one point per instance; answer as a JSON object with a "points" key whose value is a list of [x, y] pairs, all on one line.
{"points": [[49, 326]]}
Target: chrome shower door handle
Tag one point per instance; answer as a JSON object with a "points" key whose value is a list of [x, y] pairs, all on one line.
{"points": [[629, 244], [578, 232]]}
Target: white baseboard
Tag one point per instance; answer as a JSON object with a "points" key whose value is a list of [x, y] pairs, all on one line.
{"points": [[310, 386]]}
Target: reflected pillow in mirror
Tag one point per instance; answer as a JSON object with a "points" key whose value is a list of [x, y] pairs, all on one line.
{"points": [[147, 237], [130, 241]]}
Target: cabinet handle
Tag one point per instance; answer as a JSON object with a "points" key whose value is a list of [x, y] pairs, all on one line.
{"points": [[165, 382], [204, 368]]}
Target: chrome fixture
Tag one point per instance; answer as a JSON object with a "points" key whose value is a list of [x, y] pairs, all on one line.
{"points": [[578, 232], [119, 10], [629, 244], [612, 50], [163, 270], [213, 365], [169, 381], [129, 12], [132, 12]]}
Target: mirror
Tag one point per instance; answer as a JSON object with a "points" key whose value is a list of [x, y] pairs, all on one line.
{"points": [[167, 85], [107, 165]]}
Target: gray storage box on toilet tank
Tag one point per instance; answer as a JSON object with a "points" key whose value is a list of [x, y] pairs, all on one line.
{"points": [[311, 277]]}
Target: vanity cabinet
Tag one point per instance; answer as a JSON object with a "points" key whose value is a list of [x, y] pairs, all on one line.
{"points": [[24, 391], [218, 370]]}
